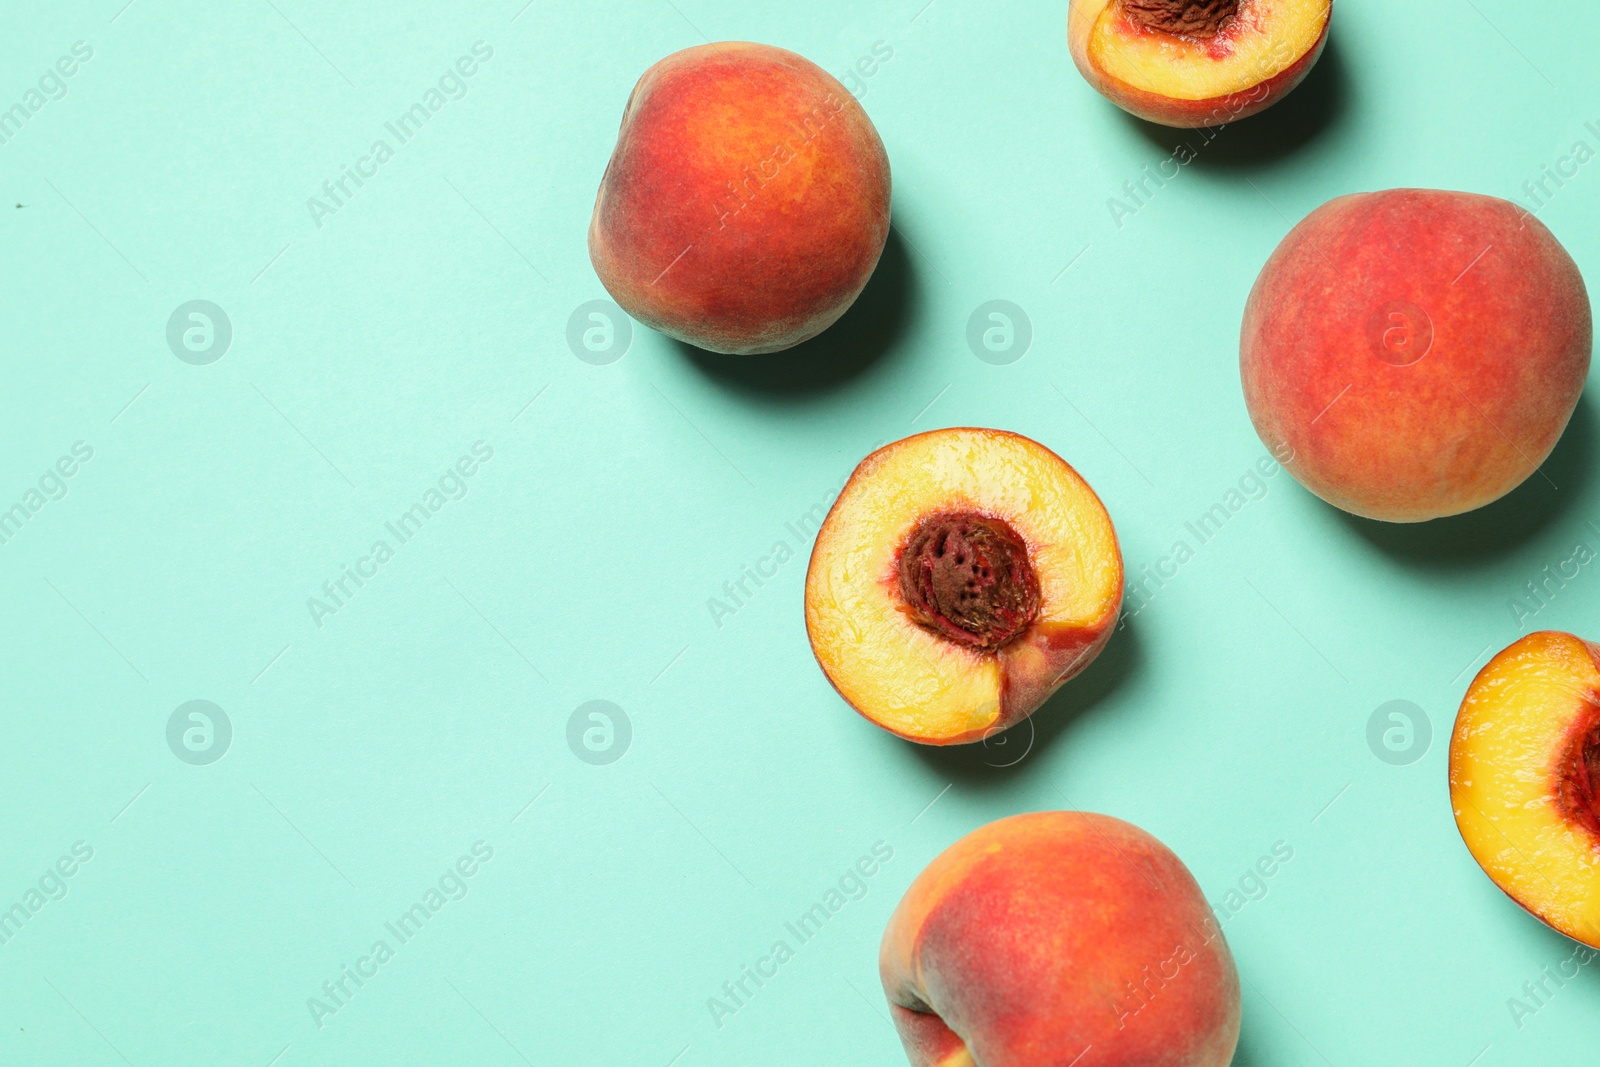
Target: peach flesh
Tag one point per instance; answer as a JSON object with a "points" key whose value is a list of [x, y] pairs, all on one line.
{"points": [[899, 671], [967, 577], [1196, 63], [1524, 759]]}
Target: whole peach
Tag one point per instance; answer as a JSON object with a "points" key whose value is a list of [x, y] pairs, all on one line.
{"points": [[1040, 937], [747, 200], [1416, 352]]}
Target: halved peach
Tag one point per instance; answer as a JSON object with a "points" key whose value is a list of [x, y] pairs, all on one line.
{"points": [[1525, 778], [960, 578], [1190, 63]]}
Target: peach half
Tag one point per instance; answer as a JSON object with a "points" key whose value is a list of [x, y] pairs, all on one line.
{"points": [[1525, 778], [961, 577], [1417, 352], [1191, 63], [1059, 938], [746, 202]]}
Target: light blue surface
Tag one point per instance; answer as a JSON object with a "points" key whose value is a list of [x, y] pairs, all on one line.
{"points": [[430, 312]]}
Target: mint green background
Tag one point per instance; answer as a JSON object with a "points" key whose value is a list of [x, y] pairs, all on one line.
{"points": [[430, 313]]}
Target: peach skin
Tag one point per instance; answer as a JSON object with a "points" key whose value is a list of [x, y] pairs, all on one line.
{"points": [[1191, 63], [1418, 352], [1525, 778], [1059, 938], [960, 578], [746, 203]]}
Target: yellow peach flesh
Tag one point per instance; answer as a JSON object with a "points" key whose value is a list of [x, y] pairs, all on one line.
{"points": [[1512, 735], [915, 683], [1264, 39]]}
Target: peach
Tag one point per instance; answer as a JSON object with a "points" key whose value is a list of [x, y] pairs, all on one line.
{"points": [[1417, 353], [1190, 63], [1525, 778], [960, 578], [746, 203], [1040, 938]]}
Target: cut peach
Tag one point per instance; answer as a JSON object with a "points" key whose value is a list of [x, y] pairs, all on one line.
{"points": [[1525, 778], [960, 578], [1192, 63], [1059, 938]]}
